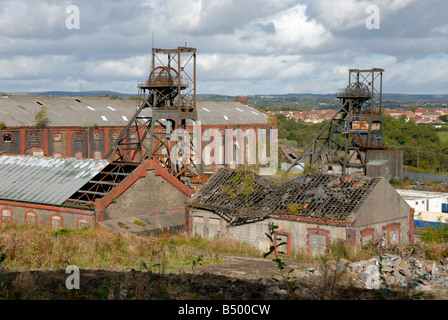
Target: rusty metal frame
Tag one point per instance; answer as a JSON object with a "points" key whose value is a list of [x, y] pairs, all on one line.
{"points": [[337, 143], [169, 95], [101, 184]]}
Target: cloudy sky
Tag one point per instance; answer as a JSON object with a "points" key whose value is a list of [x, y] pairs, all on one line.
{"points": [[244, 46]]}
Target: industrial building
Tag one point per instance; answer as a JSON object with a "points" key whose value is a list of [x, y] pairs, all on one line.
{"points": [[431, 208], [86, 128], [311, 211], [50, 192]]}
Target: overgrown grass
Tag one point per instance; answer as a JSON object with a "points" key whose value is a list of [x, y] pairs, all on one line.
{"points": [[32, 248], [435, 234]]}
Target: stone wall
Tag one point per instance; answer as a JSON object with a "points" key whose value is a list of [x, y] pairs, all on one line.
{"points": [[148, 194]]}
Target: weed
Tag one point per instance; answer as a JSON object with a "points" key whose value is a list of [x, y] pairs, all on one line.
{"points": [[60, 232], [122, 225], [286, 277], [102, 293], [139, 223], [294, 208], [435, 233]]}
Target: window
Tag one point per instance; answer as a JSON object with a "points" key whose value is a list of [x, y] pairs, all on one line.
{"points": [[57, 136], [78, 136], [97, 135], [97, 155], [6, 215], [31, 217], [56, 222], [34, 137], [133, 135], [115, 135], [83, 223], [57, 155], [37, 152], [7, 138], [78, 155]]}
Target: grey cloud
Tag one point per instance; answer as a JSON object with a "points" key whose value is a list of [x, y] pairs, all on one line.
{"points": [[263, 46]]}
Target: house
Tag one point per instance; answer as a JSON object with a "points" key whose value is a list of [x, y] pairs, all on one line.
{"points": [[66, 192], [311, 211]]}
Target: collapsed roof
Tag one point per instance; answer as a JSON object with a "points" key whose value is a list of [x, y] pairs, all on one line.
{"points": [[242, 196]]}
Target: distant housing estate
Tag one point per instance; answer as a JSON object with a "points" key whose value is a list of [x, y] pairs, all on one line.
{"points": [[420, 116]]}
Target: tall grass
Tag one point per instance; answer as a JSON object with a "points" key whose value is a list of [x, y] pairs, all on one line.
{"points": [[32, 248]]}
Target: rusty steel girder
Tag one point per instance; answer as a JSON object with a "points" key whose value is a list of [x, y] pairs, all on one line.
{"points": [[355, 128]]}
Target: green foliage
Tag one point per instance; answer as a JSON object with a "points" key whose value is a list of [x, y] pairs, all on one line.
{"points": [[435, 234], [295, 208], [2, 125], [286, 276], [299, 132], [242, 185], [60, 232], [41, 117], [421, 144], [139, 223], [309, 168]]}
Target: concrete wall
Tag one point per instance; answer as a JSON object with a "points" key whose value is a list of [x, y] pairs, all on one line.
{"points": [[385, 211], [299, 235], [21, 213], [148, 194]]}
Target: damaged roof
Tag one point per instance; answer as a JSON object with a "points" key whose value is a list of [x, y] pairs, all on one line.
{"points": [[233, 195], [319, 196], [44, 180]]}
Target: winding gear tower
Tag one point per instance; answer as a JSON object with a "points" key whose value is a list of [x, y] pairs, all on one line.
{"points": [[167, 100], [354, 129]]}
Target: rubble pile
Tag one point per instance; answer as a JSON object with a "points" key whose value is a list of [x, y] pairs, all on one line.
{"points": [[392, 270]]}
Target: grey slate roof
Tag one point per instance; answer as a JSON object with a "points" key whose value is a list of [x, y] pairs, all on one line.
{"points": [[44, 180], [16, 111]]}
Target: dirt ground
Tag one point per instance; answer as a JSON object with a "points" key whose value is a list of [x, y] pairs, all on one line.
{"points": [[233, 278]]}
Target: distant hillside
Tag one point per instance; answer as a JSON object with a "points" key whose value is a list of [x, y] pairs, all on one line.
{"points": [[75, 94], [293, 101]]}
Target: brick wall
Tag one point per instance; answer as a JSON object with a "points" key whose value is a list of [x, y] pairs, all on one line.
{"points": [[45, 216]]}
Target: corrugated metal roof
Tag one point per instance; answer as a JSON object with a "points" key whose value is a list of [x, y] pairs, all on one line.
{"points": [[21, 111], [44, 180]]}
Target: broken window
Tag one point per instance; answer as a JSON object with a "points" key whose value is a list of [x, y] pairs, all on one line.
{"points": [[97, 135], [31, 218], [34, 137], [97, 155], [78, 136], [6, 215], [83, 223], [57, 136], [56, 222], [7, 138]]}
